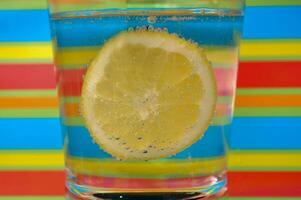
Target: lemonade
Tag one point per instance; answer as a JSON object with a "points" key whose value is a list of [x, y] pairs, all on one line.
{"points": [[146, 99]]}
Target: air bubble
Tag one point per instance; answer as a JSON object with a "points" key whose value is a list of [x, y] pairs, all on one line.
{"points": [[150, 28], [131, 29], [152, 19]]}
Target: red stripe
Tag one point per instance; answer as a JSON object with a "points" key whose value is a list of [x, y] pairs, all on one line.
{"points": [[249, 184], [35, 183], [71, 81], [265, 184], [269, 74], [27, 76]]}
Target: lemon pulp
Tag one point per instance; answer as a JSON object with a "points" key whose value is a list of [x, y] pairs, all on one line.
{"points": [[148, 95]]}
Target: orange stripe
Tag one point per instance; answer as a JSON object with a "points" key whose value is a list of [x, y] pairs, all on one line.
{"points": [[268, 101], [71, 109], [28, 102]]}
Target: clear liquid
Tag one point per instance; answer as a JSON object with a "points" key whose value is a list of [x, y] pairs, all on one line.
{"points": [[199, 168]]}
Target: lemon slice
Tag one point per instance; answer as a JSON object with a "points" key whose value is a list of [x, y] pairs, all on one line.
{"points": [[148, 95]]}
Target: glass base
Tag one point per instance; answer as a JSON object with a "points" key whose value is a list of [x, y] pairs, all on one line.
{"points": [[214, 190]]}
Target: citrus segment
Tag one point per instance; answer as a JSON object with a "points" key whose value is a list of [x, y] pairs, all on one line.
{"points": [[148, 95]]}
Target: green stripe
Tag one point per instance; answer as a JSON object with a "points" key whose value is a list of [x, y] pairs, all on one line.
{"points": [[23, 151], [220, 100], [32, 168], [23, 4], [78, 121], [267, 169], [28, 93], [276, 91], [26, 61], [41, 4], [293, 41], [32, 198], [47, 44], [278, 151], [271, 58], [29, 113], [234, 4], [70, 99], [73, 121], [273, 2], [268, 112], [72, 66]]}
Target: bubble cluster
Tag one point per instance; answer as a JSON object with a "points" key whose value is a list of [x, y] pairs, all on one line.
{"points": [[152, 19]]}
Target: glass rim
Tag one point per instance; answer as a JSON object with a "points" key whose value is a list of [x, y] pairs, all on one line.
{"points": [[59, 6]]}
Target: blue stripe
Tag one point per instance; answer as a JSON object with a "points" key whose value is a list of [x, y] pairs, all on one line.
{"points": [[260, 23], [266, 133], [95, 31], [24, 26], [30, 134], [247, 133], [81, 144], [272, 22]]}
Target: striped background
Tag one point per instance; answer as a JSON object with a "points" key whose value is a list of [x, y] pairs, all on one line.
{"points": [[265, 160]]}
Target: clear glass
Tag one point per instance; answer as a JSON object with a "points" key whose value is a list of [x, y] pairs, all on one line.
{"points": [[80, 29]]}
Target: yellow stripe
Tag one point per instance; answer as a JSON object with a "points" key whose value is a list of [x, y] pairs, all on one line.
{"points": [[167, 168], [84, 55], [25, 159], [266, 49], [24, 51], [268, 160], [237, 160], [254, 49]]}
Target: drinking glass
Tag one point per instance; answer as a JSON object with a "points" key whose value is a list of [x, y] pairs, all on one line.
{"points": [[146, 95]]}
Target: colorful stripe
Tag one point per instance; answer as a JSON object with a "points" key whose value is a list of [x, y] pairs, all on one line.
{"points": [[270, 50], [65, 6], [267, 112], [238, 160], [164, 169], [264, 50], [82, 145], [38, 52], [38, 4], [264, 160], [272, 22], [264, 184], [23, 5], [31, 160], [29, 113], [80, 57], [268, 91], [241, 184], [32, 183], [27, 76], [28, 102], [24, 26], [28, 93], [269, 74], [268, 101], [247, 133], [30, 134], [266, 133], [273, 3]]}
